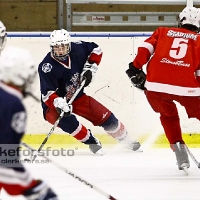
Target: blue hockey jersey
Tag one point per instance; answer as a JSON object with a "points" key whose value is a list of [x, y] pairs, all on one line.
{"points": [[63, 78], [12, 115]]}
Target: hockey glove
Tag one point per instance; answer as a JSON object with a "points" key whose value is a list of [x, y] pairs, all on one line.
{"points": [[137, 76], [40, 192], [62, 106], [89, 72]]}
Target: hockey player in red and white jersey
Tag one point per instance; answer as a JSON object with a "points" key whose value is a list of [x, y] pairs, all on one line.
{"points": [[17, 73], [172, 56]]}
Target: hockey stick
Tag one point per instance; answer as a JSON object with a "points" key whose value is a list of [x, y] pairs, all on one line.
{"points": [[59, 118], [72, 174], [192, 156]]}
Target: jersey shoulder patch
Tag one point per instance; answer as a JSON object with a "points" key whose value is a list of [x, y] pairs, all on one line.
{"points": [[18, 122], [46, 67]]}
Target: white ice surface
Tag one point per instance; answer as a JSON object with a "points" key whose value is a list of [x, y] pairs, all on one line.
{"points": [[126, 175]]}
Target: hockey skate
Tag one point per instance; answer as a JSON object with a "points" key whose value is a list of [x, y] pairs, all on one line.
{"points": [[94, 145], [96, 148], [129, 144], [181, 156]]}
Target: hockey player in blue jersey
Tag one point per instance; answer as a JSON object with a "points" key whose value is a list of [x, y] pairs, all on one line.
{"points": [[61, 72], [17, 73]]}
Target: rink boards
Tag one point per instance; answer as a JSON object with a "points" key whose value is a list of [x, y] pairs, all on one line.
{"points": [[111, 87], [65, 140]]}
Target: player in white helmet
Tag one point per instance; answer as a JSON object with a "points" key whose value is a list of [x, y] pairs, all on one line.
{"points": [[3, 36], [61, 71], [17, 73], [189, 18], [173, 74]]}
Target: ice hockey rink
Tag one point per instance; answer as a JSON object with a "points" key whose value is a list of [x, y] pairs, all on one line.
{"points": [[126, 175]]}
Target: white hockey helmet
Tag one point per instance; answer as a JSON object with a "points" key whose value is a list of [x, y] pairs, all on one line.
{"points": [[191, 16], [3, 36], [60, 43], [17, 68]]}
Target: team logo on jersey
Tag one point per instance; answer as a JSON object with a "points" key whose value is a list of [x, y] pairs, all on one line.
{"points": [[172, 33], [46, 67], [18, 122], [178, 62], [71, 89]]}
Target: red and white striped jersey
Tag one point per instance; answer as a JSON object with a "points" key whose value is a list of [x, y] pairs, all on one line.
{"points": [[173, 61]]}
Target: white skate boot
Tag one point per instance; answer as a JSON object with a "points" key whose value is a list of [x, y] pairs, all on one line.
{"points": [[181, 156], [130, 144]]}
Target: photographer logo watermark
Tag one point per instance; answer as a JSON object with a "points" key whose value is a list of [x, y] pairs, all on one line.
{"points": [[12, 155]]}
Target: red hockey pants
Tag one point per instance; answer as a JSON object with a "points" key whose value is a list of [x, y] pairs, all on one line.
{"points": [[164, 104]]}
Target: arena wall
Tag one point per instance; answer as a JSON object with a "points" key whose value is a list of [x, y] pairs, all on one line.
{"points": [[111, 87]]}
